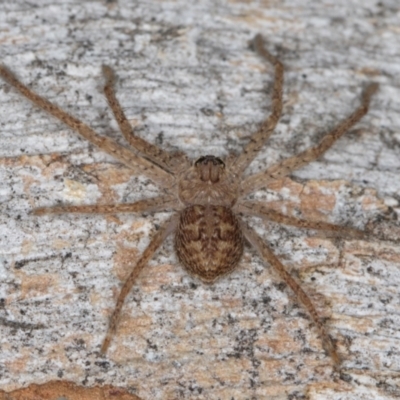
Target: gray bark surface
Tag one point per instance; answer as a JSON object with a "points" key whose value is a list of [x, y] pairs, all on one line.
{"points": [[189, 81]]}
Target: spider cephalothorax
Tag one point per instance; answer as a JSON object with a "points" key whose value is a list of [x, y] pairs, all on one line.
{"points": [[208, 181], [208, 196]]}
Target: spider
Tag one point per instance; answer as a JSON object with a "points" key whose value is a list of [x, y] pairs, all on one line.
{"points": [[207, 195]]}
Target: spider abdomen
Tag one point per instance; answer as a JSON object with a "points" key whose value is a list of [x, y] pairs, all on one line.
{"points": [[208, 241]]}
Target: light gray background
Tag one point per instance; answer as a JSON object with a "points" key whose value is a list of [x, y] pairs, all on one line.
{"points": [[188, 81]]}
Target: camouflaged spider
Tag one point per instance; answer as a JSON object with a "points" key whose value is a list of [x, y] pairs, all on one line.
{"points": [[207, 195]]}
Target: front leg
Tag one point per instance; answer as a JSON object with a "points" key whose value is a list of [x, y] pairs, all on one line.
{"points": [[158, 156], [129, 158], [258, 139]]}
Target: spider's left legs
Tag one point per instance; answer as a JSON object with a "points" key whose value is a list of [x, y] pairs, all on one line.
{"points": [[258, 139], [157, 155], [267, 254], [160, 203], [168, 228], [132, 160], [289, 165], [259, 209]]}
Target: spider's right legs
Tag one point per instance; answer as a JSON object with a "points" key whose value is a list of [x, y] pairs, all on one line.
{"points": [[258, 139], [267, 254], [280, 170], [259, 209], [130, 159], [157, 155], [168, 228]]}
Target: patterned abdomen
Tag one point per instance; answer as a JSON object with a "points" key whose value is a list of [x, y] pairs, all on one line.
{"points": [[208, 241]]}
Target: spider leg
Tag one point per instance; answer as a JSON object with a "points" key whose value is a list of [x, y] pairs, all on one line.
{"points": [[266, 254], [287, 166], [127, 157], [258, 209], [168, 228], [261, 136], [160, 157], [161, 203]]}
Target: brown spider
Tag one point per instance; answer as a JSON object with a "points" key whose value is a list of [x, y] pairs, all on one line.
{"points": [[208, 195]]}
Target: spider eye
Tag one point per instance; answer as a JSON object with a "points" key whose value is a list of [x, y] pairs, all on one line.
{"points": [[204, 160]]}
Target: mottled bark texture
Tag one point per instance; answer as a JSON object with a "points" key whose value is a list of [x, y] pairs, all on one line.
{"points": [[188, 81]]}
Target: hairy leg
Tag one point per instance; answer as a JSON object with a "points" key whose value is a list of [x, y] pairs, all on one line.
{"points": [[168, 228], [284, 168], [261, 136], [267, 255], [160, 157], [258, 209], [162, 203], [130, 159]]}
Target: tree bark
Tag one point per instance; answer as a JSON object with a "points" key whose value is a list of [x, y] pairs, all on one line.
{"points": [[189, 81]]}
